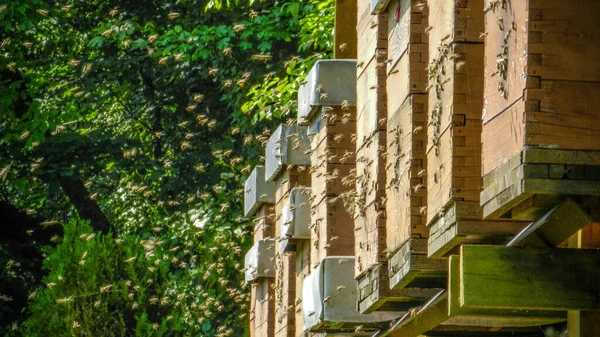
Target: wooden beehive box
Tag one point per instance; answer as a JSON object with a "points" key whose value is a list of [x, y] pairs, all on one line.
{"points": [[405, 151], [369, 204], [331, 125], [289, 177], [331, 223], [333, 150], [262, 308], [285, 262], [407, 196], [264, 222], [407, 50], [259, 198], [285, 294], [303, 269], [454, 119], [541, 112]]}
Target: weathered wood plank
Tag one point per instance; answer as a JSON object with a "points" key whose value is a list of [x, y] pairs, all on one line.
{"points": [[529, 278], [345, 29], [556, 226], [490, 317], [431, 314]]}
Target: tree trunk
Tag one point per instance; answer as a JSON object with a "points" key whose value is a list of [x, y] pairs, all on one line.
{"points": [[86, 207]]}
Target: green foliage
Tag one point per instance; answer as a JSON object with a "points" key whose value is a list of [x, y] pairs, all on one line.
{"points": [[160, 282], [147, 116]]}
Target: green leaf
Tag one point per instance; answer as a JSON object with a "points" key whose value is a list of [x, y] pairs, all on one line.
{"points": [[98, 41]]}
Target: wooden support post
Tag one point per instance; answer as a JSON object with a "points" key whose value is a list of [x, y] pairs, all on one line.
{"points": [[555, 227], [584, 323], [345, 30], [529, 278]]}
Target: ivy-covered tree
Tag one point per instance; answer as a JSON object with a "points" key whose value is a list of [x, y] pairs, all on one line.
{"points": [[126, 131]]}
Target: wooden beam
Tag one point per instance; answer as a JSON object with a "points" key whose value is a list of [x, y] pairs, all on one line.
{"points": [[554, 228], [585, 323], [417, 322], [491, 317], [344, 37], [529, 278]]}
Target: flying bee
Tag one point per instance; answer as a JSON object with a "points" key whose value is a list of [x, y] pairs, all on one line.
{"points": [[261, 57], [246, 169], [87, 68], [238, 28], [173, 15], [198, 97], [227, 51]]}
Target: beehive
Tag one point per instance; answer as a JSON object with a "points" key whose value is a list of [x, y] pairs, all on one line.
{"points": [[406, 178], [262, 309], [368, 211], [331, 128], [454, 119], [264, 222], [405, 142], [541, 112], [290, 176], [303, 269], [407, 50], [285, 294], [260, 270]]}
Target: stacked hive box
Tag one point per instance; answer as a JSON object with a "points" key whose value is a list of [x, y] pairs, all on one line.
{"points": [[285, 294], [287, 166], [302, 271], [454, 127], [259, 197], [326, 104], [262, 309], [369, 207], [369, 210], [333, 167], [263, 295], [541, 113], [405, 144], [293, 267]]}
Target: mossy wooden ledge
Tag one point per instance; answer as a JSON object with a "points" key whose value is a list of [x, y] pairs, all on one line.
{"points": [[534, 179], [491, 317], [529, 278]]}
